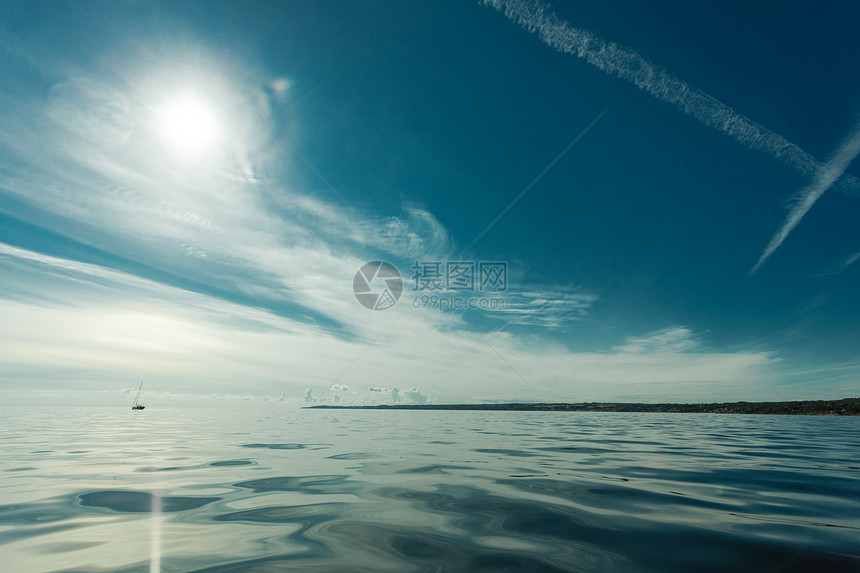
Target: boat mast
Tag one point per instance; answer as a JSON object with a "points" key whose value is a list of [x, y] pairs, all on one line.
{"points": [[137, 398]]}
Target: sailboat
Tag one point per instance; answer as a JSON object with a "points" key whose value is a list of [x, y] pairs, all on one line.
{"points": [[137, 405]]}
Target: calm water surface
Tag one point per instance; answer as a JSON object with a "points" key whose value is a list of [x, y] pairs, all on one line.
{"points": [[238, 490]]}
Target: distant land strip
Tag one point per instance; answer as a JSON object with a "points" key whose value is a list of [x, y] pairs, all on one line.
{"points": [[844, 407]]}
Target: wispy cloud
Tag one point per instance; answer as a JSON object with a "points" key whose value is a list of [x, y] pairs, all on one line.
{"points": [[851, 260], [106, 179], [111, 329], [834, 267], [803, 201], [85, 159], [668, 340], [538, 17], [550, 307]]}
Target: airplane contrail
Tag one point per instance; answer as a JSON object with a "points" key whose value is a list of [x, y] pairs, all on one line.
{"points": [[537, 17], [824, 179]]}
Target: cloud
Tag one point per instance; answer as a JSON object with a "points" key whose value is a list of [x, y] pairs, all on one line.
{"points": [[672, 339], [840, 265], [418, 234], [206, 225], [538, 17], [826, 176], [106, 114], [206, 222], [279, 88], [550, 307], [415, 396], [111, 329], [383, 395], [851, 260]]}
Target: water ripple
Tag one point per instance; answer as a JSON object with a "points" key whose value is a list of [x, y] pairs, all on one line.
{"points": [[431, 491]]}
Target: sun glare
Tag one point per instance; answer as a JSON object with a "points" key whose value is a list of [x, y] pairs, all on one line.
{"points": [[188, 125]]}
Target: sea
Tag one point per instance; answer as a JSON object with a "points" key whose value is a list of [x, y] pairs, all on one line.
{"points": [[267, 490]]}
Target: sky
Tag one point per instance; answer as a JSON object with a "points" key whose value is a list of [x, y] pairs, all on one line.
{"points": [[308, 202]]}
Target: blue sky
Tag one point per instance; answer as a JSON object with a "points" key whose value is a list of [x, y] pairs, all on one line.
{"points": [[188, 189]]}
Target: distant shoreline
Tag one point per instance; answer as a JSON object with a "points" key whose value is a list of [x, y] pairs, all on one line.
{"points": [[844, 407]]}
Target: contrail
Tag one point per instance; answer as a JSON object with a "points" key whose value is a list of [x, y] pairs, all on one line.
{"points": [[824, 179], [537, 17]]}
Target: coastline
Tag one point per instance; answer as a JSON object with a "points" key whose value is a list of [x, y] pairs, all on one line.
{"points": [[843, 407]]}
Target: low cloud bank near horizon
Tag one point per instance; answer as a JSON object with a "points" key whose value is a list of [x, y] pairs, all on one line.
{"points": [[118, 329]]}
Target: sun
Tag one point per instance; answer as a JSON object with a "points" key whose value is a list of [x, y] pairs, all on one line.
{"points": [[188, 125]]}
